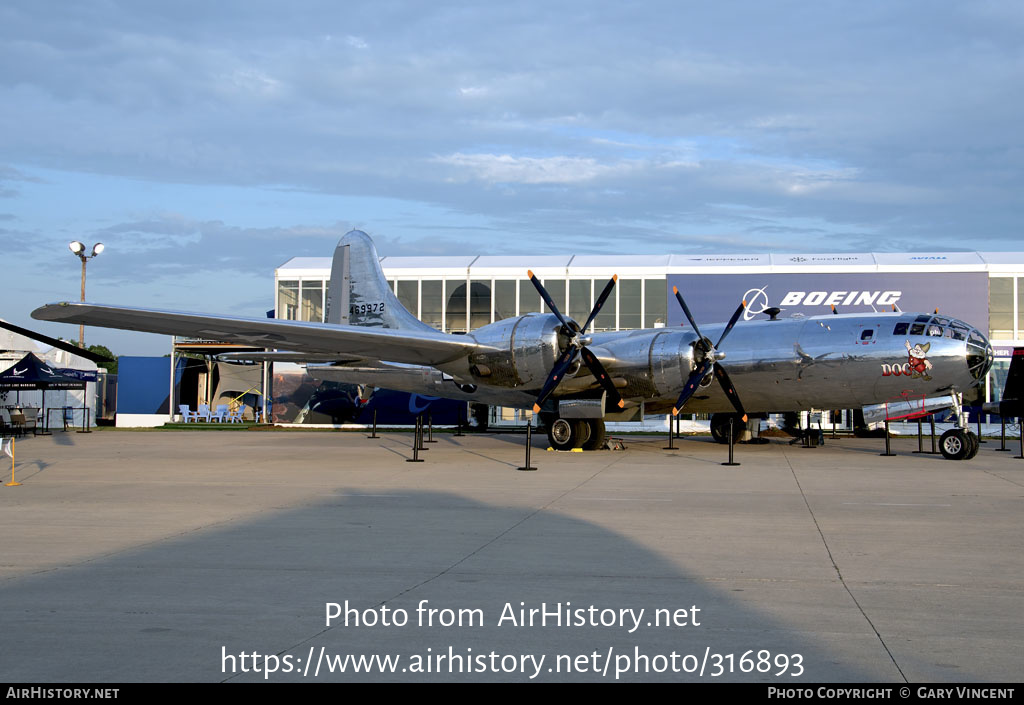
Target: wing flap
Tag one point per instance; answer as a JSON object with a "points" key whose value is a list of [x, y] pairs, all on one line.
{"points": [[414, 347]]}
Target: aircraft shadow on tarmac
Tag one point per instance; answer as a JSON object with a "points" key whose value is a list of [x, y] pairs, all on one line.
{"points": [[172, 610]]}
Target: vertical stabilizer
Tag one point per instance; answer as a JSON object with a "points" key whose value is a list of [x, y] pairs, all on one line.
{"points": [[1012, 401], [359, 294], [1014, 388]]}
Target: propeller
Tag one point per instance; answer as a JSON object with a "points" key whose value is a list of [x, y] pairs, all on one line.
{"points": [[576, 346], [709, 358]]}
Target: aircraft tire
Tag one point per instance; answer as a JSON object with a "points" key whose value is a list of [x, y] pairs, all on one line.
{"points": [[566, 434], [720, 427], [975, 445], [954, 444], [596, 436]]}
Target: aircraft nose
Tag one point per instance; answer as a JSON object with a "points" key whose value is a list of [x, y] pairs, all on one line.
{"points": [[979, 355]]}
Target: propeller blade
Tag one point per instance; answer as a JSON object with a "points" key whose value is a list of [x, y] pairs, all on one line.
{"points": [[723, 379], [691, 385], [557, 372], [547, 298], [595, 366], [686, 310], [600, 301], [732, 322]]}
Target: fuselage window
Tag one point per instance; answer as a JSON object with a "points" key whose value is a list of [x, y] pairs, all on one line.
{"points": [[901, 328], [917, 329], [866, 335]]}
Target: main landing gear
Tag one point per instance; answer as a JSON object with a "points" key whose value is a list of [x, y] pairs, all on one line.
{"points": [[959, 443], [566, 434]]}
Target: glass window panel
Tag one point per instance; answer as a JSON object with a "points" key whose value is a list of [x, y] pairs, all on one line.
{"points": [[1020, 310], [655, 302], [556, 288], [313, 301], [629, 303], [579, 300], [529, 299], [504, 299], [287, 300], [455, 307], [1000, 307], [431, 303], [479, 303], [409, 296]]}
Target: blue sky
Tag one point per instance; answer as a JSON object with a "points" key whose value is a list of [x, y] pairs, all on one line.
{"points": [[207, 143]]}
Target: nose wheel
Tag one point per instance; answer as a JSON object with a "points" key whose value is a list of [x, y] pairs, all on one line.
{"points": [[958, 444]]}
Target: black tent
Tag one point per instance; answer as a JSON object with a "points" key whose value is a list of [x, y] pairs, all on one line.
{"points": [[32, 373]]}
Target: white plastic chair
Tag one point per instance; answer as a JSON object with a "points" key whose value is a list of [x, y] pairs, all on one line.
{"points": [[187, 414], [203, 412], [220, 415], [236, 415]]}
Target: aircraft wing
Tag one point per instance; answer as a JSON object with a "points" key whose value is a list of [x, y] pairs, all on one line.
{"points": [[414, 347]]}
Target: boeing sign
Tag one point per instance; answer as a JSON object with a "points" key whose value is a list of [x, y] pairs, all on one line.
{"points": [[962, 295]]}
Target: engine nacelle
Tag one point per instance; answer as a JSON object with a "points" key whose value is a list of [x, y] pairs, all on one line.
{"points": [[529, 347], [660, 361]]}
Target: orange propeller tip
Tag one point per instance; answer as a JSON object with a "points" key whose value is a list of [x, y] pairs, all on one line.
{"points": [[675, 412], [536, 409], [675, 289], [622, 404], [529, 273], [615, 277], [744, 418]]}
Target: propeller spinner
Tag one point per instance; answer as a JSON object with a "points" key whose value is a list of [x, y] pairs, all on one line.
{"points": [[708, 357], [576, 346]]}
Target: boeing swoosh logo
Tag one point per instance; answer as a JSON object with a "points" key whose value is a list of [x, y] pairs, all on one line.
{"points": [[414, 408], [17, 373]]}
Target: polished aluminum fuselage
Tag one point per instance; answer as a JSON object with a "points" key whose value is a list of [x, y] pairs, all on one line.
{"points": [[783, 365]]}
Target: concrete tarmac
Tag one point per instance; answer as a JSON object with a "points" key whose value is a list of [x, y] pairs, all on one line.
{"points": [[216, 556]]}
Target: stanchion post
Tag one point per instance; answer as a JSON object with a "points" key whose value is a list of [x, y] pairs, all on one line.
{"points": [[419, 423], [458, 428], [430, 429], [931, 424], [374, 433], [671, 440], [1002, 434], [920, 437], [13, 482], [529, 443], [980, 437], [887, 449], [416, 443], [731, 462]]}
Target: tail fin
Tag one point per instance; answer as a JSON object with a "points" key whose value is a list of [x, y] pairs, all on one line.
{"points": [[1012, 401], [1014, 389], [358, 293]]}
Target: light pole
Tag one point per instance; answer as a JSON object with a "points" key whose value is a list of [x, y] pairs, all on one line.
{"points": [[78, 249]]}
